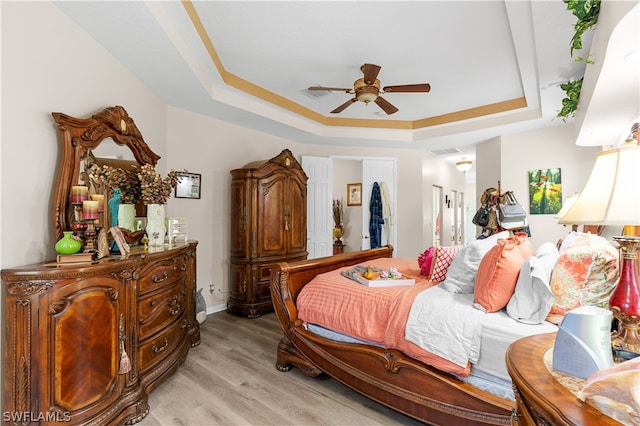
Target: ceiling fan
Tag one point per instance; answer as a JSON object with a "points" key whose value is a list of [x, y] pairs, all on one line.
{"points": [[367, 89]]}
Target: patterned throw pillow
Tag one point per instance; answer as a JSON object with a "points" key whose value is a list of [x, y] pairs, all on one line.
{"points": [[425, 260], [442, 258], [585, 275]]}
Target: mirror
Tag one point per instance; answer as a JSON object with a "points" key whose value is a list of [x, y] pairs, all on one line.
{"points": [[80, 139]]}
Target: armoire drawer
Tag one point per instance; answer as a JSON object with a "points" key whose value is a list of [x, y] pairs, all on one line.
{"points": [[162, 273], [158, 310], [156, 349]]}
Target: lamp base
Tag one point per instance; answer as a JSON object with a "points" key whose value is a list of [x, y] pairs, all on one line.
{"points": [[625, 301], [625, 341]]}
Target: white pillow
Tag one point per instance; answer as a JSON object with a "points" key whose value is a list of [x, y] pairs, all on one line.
{"points": [[461, 275], [532, 299]]}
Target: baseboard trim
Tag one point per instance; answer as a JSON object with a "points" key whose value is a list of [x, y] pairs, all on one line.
{"points": [[216, 308]]}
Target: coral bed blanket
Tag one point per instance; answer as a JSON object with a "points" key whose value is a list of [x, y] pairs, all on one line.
{"points": [[375, 314]]}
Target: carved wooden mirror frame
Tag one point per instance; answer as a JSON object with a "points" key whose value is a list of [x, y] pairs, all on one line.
{"points": [[78, 137]]}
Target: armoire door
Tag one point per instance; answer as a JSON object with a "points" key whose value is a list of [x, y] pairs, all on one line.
{"points": [[296, 217], [273, 205]]}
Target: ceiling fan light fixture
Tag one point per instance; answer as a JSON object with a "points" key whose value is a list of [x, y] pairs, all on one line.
{"points": [[366, 93], [464, 165]]}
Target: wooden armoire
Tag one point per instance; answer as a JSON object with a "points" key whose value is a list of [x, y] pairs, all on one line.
{"points": [[268, 225]]}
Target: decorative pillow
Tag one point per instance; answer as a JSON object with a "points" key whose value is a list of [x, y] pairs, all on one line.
{"points": [[585, 275], [441, 261], [425, 260], [532, 299], [498, 272], [461, 275]]}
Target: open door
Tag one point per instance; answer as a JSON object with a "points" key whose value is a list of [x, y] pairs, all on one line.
{"points": [[379, 170], [319, 170]]}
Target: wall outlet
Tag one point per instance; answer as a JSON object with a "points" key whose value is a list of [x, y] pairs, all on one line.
{"points": [[211, 288]]}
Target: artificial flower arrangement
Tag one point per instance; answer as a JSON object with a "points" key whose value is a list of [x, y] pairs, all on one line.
{"points": [[338, 213], [154, 188], [126, 180]]}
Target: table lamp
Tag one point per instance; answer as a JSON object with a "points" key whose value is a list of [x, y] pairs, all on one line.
{"points": [[568, 202], [611, 198]]}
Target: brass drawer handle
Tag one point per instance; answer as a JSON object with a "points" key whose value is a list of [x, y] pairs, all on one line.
{"points": [[161, 348], [176, 310], [159, 280]]}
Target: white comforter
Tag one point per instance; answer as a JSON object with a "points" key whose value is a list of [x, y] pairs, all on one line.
{"points": [[446, 324]]}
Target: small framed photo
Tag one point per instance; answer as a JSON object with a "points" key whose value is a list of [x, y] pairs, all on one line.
{"points": [[354, 194], [118, 237], [188, 185]]}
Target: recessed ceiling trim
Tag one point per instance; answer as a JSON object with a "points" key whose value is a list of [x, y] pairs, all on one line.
{"points": [[294, 107]]}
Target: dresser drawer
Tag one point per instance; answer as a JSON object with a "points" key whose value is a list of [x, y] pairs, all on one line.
{"points": [[156, 349], [159, 310], [162, 273]]}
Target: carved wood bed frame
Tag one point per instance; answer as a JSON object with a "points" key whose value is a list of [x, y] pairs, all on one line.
{"points": [[386, 376]]}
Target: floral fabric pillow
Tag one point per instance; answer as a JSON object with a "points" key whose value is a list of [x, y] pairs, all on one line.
{"points": [[585, 275], [442, 259]]}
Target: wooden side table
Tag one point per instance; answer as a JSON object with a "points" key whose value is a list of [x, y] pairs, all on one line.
{"points": [[540, 398]]}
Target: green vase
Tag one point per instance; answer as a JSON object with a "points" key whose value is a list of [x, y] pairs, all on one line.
{"points": [[67, 244]]}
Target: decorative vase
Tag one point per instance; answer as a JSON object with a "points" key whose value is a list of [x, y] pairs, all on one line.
{"points": [[155, 224], [338, 232], [67, 244], [127, 216]]}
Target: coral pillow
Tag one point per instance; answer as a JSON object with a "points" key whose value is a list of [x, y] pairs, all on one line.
{"points": [[461, 274], [425, 260], [442, 259], [498, 272], [585, 275]]}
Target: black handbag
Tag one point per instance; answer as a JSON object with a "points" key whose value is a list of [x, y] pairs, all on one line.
{"points": [[481, 218]]}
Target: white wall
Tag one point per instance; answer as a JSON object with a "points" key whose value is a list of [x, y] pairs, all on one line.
{"points": [[549, 148], [345, 172], [510, 157], [49, 64]]}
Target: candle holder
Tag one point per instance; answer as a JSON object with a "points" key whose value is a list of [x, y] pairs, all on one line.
{"points": [[91, 237]]}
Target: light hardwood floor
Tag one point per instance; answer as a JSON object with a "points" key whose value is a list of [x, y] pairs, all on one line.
{"points": [[231, 379]]}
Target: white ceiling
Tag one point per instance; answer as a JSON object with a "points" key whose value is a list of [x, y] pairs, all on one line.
{"points": [[494, 66]]}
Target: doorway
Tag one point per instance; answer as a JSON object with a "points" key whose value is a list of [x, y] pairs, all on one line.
{"points": [[345, 170]]}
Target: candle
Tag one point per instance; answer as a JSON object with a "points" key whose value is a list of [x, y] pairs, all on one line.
{"points": [[79, 194], [100, 199], [89, 209]]}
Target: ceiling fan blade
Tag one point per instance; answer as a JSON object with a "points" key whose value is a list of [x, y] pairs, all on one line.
{"points": [[385, 105], [331, 89], [343, 106], [370, 72], [408, 88]]}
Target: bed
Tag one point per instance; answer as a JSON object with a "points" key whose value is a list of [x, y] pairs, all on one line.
{"points": [[381, 371]]}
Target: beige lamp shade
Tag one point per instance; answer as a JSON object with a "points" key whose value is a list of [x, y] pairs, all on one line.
{"points": [[612, 193], [568, 202]]}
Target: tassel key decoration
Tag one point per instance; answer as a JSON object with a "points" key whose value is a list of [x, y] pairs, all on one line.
{"points": [[125, 361]]}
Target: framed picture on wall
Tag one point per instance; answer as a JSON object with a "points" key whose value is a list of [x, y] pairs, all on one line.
{"points": [[354, 194], [188, 185]]}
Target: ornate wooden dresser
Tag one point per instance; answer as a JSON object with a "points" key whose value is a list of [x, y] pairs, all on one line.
{"points": [[268, 225], [86, 343]]}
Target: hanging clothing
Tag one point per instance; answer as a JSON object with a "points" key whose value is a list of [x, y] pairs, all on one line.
{"points": [[386, 210], [376, 220]]}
